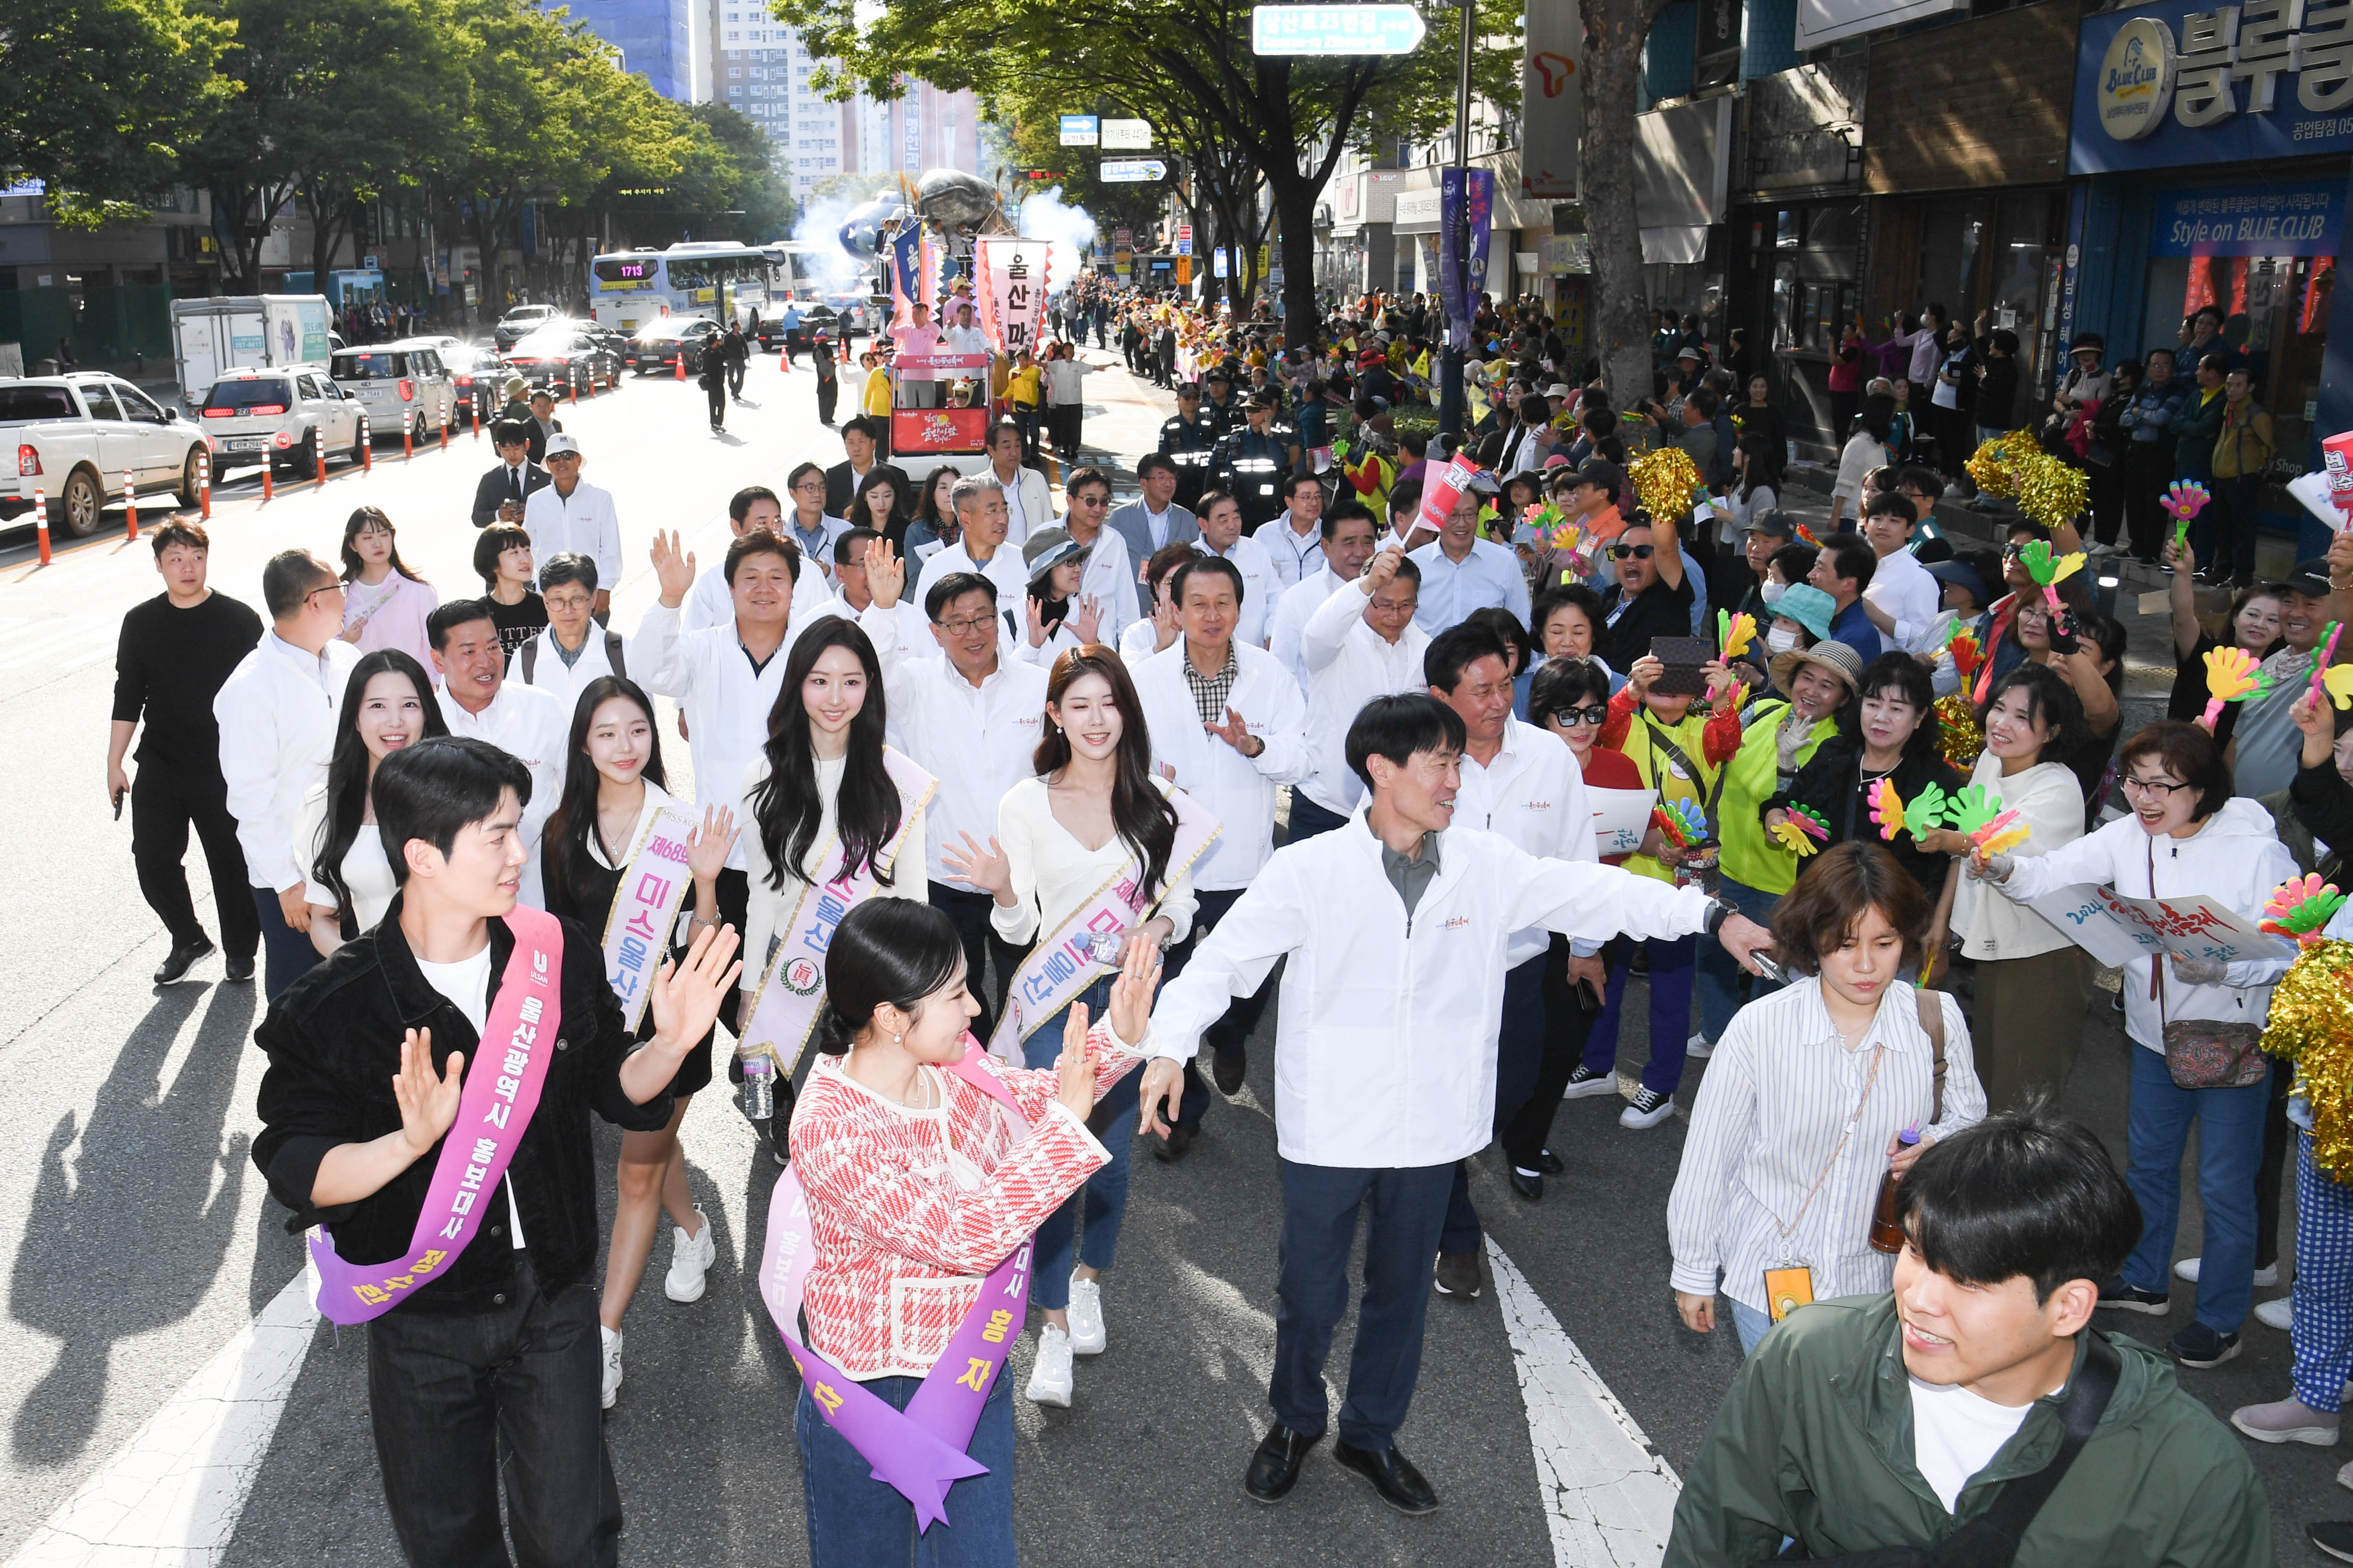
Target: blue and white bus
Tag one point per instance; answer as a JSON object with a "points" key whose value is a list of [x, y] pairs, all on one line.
{"points": [[718, 280]]}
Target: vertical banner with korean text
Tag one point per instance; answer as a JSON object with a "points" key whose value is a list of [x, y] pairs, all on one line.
{"points": [[1012, 274]]}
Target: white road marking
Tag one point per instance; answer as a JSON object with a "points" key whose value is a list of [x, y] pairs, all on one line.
{"points": [[172, 1496], [1609, 1495]]}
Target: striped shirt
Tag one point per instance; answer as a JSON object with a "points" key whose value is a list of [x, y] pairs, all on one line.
{"points": [[1777, 1100]]}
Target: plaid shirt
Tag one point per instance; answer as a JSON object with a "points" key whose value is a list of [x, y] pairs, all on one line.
{"points": [[1210, 692]]}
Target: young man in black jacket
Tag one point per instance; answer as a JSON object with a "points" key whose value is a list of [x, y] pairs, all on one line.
{"points": [[491, 1340]]}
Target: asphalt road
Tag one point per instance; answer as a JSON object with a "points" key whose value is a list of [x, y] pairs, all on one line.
{"points": [[145, 1245]]}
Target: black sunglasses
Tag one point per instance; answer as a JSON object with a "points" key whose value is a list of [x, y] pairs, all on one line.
{"points": [[1639, 552], [1597, 715]]}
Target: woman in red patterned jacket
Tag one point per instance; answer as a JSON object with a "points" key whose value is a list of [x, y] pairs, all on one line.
{"points": [[919, 1183]]}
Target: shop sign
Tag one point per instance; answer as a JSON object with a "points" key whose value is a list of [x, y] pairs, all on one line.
{"points": [[2136, 79], [2263, 220], [2176, 85]]}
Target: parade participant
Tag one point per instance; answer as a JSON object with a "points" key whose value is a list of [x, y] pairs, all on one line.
{"points": [[177, 651], [853, 593], [502, 561], [1360, 644], [1056, 616], [935, 525], [984, 546], [499, 495], [753, 509], [1229, 723], [387, 704], [1462, 571], [478, 700], [809, 525], [1186, 440], [1815, 1095], [1028, 503], [2226, 849], [1222, 538], [1991, 1385], [1156, 631], [1523, 784], [1345, 532], [1384, 1081], [881, 507], [861, 441], [917, 1182], [1111, 572], [875, 399], [573, 515], [277, 714], [1094, 845], [1291, 539], [970, 716], [917, 339], [574, 650], [472, 1349], [1152, 521]]}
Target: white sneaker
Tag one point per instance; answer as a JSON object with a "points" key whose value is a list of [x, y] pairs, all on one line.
{"points": [[612, 1364], [2187, 1269], [1086, 1317], [2276, 1314], [1699, 1047], [690, 1258], [1051, 1379]]}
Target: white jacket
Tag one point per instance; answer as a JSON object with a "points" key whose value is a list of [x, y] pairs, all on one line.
{"points": [[1385, 1039], [2236, 859], [726, 702], [1349, 664], [1534, 794], [1238, 791]]}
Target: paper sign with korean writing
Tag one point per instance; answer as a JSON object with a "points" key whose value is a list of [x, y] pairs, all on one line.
{"points": [[1011, 273], [1619, 817], [2116, 929]]}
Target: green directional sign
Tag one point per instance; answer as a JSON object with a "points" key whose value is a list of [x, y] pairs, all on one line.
{"points": [[1335, 29]]}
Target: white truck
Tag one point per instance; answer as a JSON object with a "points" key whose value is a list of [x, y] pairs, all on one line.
{"points": [[253, 331]]}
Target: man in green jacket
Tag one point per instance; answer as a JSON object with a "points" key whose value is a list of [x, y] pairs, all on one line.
{"points": [[1878, 1421]]}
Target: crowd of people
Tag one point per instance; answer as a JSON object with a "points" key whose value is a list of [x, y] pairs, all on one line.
{"points": [[1007, 804]]}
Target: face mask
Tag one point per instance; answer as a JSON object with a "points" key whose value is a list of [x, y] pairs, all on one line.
{"points": [[1782, 640], [1771, 591]]}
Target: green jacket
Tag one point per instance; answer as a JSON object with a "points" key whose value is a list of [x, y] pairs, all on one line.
{"points": [[1814, 1441]]}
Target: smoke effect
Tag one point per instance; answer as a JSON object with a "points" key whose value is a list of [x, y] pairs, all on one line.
{"points": [[1047, 216], [830, 266]]}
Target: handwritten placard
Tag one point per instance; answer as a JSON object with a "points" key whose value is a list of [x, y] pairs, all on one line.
{"points": [[1619, 817], [2116, 929]]}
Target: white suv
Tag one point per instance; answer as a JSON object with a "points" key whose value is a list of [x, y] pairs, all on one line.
{"points": [[290, 418], [398, 383], [78, 435]]}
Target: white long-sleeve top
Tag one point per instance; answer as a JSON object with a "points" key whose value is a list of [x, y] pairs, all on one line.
{"points": [[770, 906], [531, 727], [1238, 791], [563, 682], [364, 869], [978, 741], [1534, 794], [2048, 800], [2236, 859], [1298, 602], [1348, 665], [1777, 1099], [1053, 873], [1261, 585], [1110, 579], [1294, 554], [726, 701], [711, 604], [1385, 1038], [583, 522], [277, 712], [1901, 587], [1856, 460]]}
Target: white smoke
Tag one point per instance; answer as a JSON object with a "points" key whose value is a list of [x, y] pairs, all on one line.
{"points": [[830, 266], [1047, 216]]}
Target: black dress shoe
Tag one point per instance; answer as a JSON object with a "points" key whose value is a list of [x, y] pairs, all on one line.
{"points": [[1458, 1275], [1529, 1185], [1227, 1068], [1274, 1469], [1392, 1475], [1171, 1149], [1550, 1163], [182, 959], [240, 969]]}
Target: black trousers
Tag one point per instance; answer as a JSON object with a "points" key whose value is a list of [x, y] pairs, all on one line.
{"points": [[968, 908], [1568, 1023], [718, 396], [2149, 468], [446, 1393], [827, 389], [1519, 1057], [1227, 1038], [2107, 484], [2277, 1137], [168, 796]]}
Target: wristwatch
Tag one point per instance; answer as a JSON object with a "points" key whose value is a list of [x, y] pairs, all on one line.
{"points": [[1718, 912]]}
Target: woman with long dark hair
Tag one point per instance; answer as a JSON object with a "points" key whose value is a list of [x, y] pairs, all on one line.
{"points": [[388, 703], [1095, 816], [878, 505], [384, 603], [935, 525], [593, 861]]}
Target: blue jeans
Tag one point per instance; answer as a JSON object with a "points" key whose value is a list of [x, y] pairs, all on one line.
{"points": [[857, 1522], [1104, 1196], [2230, 1148], [1718, 981], [1750, 1324], [1671, 995]]}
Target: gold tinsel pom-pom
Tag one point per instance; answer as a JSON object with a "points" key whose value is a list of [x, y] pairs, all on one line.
{"points": [[2311, 1023], [1959, 738], [1994, 466], [1664, 480], [2051, 491]]}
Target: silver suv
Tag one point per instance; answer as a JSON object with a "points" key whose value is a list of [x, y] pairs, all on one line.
{"points": [[292, 417], [397, 384]]}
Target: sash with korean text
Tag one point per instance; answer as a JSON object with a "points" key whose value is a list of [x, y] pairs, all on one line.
{"points": [[636, 930]]}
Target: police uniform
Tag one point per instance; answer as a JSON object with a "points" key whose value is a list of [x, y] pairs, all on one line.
{"points": [[1190, 447], [1253, 467]]}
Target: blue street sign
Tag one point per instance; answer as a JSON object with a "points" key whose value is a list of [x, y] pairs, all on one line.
{"points": [[1335, 29], [1133, 170], [1081, 129]]}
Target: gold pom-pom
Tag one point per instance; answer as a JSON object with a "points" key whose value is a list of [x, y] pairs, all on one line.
{"points": [[2311, 1023], [1664, 480], [1959, 738], [1994, 467], [2050, 491]]}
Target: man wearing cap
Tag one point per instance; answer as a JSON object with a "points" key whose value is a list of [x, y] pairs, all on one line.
{"points": [[1111, 578], [1902, 597], [1221, 408], [568, 515], [1374, 377], [1222, 536], [1155, 520], [1462, 571], [1737, 584], [499, 495], [1250, 462]]}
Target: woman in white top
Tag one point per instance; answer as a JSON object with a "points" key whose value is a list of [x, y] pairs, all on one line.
{"points": [[614, 783], [2032, 981], [384, 603], [1757, 488], [1094, 810], [1865, 449], [1811, 1091], [388, 703], [1066, 396]]}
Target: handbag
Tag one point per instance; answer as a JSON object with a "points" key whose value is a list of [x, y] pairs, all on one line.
{"points": [[2206, 1053], [1991, 1539]]}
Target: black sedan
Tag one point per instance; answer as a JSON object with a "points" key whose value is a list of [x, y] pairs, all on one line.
{"points": [[479, 374], [657, 346], [563, 359]]}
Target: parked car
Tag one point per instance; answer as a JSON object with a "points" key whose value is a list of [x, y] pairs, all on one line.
{"points": [[521, 321], [563, 357], [78, 435], [474, 368], [657, 345], [290, 418], [400, 383], [853, 313]]}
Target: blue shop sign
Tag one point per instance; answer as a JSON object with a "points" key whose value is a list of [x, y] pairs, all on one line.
{"points": [[2167, 86], [2302, 219]]}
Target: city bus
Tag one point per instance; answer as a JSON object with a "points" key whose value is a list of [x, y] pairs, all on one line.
{"points": [[718, 280]]}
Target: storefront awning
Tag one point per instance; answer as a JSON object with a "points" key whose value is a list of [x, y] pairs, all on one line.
{"points": [[1682, 244]]}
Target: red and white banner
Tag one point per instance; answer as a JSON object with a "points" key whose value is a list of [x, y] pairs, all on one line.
{"points": [[1438, 495], [1012, 275]]}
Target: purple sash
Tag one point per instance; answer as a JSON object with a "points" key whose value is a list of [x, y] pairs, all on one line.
{"points": [[921, 1451], [493, 1107]]}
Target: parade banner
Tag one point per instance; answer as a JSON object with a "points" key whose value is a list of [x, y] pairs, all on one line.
{"points": [[906, 287], [1013, 276], [2116, 928], [494, 1106], [921, 1451], [1464, 194], [638, 928], [791, 993], [1063, 964]]}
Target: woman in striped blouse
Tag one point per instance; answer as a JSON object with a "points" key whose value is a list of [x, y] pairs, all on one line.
{"points": [[1805, 1107]]}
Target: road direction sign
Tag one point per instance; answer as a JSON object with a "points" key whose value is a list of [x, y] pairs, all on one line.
{"points": [[1127, 135], [1081, 129], [1335, 29], [1133, 170]]}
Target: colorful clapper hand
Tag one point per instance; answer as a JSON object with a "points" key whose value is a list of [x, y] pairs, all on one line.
{"points": [[1979, 817], [1803, 830], [1966, 649], [2299, 907], [1925, 813], [1734, 634], [2331, 681], [1680, 823], [2049, 571], [2184, 498], [2232, 675]]}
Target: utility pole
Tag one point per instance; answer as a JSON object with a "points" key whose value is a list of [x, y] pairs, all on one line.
{"points": [[1449, 372]]}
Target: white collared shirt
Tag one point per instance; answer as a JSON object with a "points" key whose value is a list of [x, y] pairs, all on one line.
{"points": [[712, 605], [1297, 603], [725, 700], [583, 522], [1294, 555], [530, 726], [1110, 579], [1260, 587], [277, 712], [1534, 794], [1450, 590], [1348, 665], [958, 340], [1904, 588], [1238, 790]]}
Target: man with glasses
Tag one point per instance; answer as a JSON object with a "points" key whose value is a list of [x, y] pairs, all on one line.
{"points": [[277, 712], [1154, 521], [1291, 539], [807, 526], [1652, 596], [1110, 575], [570, 517], [1462, 571], [1360, 644], [981, 547], [565, 657]]}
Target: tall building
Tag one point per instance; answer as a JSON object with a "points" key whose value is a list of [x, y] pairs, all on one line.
{"points": [[667, 42]]}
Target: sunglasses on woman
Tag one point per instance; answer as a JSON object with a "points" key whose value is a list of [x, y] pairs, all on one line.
{"points": [[1596, 715]]}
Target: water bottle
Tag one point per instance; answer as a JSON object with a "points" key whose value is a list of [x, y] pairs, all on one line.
{"points": [[760, 1089]]}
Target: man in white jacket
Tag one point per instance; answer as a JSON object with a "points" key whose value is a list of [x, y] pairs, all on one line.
{"points": [[1395, 930], [1361, 645]]}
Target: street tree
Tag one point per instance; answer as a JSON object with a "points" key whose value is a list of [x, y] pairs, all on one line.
{"points": [[1615, 31]]}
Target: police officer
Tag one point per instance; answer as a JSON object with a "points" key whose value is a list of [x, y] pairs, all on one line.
{"points": [[1186, 439], [1252, 460], [1222, 408]]}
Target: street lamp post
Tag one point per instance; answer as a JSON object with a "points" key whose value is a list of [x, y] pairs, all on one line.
{"points": [[1450, 370]]}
